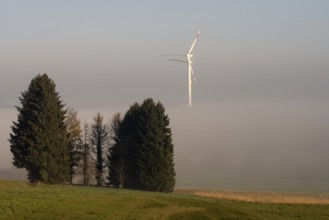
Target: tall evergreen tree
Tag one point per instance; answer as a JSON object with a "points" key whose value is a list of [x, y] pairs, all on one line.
{"points": [[100, 143], [116, 164], [126, 148], [144, 146], [39, 140], [155, 158]]}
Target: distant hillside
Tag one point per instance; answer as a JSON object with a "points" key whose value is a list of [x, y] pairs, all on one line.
{"points": [[13, 174]]}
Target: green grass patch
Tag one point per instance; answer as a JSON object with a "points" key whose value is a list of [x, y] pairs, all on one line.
{"points": [[21, 201]]}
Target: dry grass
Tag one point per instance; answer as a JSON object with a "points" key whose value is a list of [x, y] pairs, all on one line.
{"points": [[263, 197]]}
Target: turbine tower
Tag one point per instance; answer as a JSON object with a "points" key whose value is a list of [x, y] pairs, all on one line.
{"points": [[189, 62]]}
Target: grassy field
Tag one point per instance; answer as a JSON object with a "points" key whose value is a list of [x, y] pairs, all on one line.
{"points": [[21, 201]]}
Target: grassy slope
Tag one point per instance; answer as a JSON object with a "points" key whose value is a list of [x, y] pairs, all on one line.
{"points": [[20, 201]]}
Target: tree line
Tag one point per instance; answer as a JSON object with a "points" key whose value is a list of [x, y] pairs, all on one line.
{"points": [[132, 151]]}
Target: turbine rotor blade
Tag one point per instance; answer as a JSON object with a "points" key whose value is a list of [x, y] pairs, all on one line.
{"points": [[174, 55], [194, 78], [182, 61], [189, 74], [193, 44]]}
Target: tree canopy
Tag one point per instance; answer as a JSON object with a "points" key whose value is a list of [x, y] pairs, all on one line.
{"points": [[144, 145], [39, 141], [155, 158]]}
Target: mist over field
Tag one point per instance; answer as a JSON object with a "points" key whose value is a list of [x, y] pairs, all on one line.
{"points": [[244, 146]]}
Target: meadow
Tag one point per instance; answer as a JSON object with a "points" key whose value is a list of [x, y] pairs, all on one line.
{"points": [[19, 200]]}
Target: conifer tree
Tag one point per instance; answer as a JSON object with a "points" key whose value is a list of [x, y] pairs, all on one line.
{"points": [[155, 162], [126, 147], [116, 164], [39, 140], [144, 146], [100, 143]]}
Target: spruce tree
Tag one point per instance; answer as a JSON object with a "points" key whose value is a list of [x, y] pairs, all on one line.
{"points": [[126, 147], [155, 162], [144, 146], [39, 140], [116, 164], [100, 143]]}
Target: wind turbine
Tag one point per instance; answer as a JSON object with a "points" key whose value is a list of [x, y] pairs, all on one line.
{"points": [[189, 62]]}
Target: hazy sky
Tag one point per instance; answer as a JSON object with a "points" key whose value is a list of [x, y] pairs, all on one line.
{"points": [[260, 104]]}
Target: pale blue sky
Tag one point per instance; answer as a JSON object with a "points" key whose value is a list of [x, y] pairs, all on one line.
{"points": [[262, 68]]}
